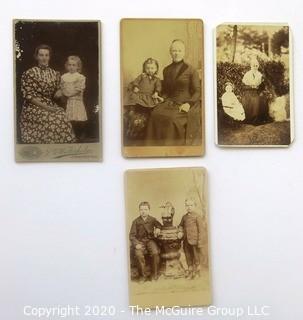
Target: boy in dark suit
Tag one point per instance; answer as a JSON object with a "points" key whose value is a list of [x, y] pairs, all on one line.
{"points": [[142, 237], [192, 226]]}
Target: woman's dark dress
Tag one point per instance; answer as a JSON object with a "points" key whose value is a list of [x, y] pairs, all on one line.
{"points": [[251, 104], [167, 125], [254, 101], [37, 124]]}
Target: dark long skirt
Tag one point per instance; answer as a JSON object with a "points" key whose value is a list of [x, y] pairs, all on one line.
{"points": [[166, 126], [251, 105]]}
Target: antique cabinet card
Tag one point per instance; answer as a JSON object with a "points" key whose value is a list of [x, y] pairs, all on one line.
{"points": [[167, 237], [57, 90], [254, 85], [162, 95]]}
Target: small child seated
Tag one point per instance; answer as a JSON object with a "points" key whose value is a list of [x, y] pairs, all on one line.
{"points": [[145, 89], [231, 105], [142, 95]]}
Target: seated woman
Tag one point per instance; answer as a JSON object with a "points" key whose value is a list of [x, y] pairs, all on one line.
{"points": [[177, 120], [42, 121]]}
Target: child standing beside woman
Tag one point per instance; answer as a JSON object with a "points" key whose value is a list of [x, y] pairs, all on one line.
{"points": [[72, 87]]}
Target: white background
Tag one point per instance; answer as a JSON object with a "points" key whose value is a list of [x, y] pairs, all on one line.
{"points": [[62, 237]]}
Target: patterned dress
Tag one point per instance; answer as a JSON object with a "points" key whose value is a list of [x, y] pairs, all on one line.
{"points": [[37, 124]]}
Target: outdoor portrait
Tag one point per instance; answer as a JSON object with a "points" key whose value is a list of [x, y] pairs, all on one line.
{"points": [[167, 230], [57, 90], [162, 87], [254, 85]]}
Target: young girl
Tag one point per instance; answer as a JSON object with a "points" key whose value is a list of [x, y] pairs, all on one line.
{"points": [[145, 89], [143, 94], [231, 105], [72, 87]]}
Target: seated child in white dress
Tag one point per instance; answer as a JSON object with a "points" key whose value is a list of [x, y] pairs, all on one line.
{"points": [[72, 87], [231, 105]]}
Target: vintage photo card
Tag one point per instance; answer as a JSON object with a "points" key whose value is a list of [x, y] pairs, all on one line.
{"points": [[162, 81], [57, 73], [254, 104], [167, 237]]}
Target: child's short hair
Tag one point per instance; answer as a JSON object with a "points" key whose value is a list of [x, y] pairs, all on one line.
{"points": [[144, 204], [78, 61], [150, 61]]}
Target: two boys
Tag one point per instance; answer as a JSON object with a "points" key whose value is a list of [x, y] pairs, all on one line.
{"points": [[143, 234]]}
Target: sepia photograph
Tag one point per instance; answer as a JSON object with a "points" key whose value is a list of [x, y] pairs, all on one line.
{"points": [[254, 85], [167, 231], [57, 90], [162, 95]]}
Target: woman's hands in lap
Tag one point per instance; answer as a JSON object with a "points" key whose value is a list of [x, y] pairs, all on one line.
{"points": [[184, 107], [53, 109]]}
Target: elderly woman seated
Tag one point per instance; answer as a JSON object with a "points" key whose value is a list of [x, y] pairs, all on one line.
{"points": [[177, 120]]}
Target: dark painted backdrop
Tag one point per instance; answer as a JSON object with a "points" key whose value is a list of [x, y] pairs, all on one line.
{"points": [[65, 38]]}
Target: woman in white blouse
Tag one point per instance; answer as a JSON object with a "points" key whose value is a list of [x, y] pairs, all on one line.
{"points": [[251, 99]]}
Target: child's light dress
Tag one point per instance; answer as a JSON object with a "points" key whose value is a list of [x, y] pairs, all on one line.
{"points": [[72, 86], [232, 106]]}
